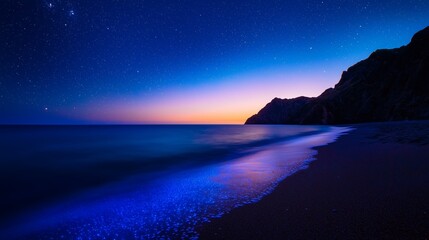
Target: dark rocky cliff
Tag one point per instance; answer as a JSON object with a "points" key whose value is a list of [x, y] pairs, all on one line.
{"points": [[390, 85], [279, 111]]}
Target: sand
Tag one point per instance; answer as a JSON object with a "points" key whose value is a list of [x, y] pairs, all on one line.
{"points": [[371, 184]]}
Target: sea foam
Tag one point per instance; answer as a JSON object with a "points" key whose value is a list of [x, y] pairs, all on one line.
{"points": [[173, 205]]}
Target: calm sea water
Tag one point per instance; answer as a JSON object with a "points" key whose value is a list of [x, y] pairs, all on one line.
{"points": [[141, 182]]}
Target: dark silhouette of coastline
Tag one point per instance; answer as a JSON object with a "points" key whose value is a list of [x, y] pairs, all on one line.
{"points": [[390, 85]]}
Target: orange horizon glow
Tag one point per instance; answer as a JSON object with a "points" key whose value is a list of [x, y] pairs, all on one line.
{"points": [[231, 101]]}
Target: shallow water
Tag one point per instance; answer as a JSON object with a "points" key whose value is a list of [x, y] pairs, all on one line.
{"points": [[145, 182]]}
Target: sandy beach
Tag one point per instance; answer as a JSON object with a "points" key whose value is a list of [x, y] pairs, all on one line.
{"points": [[371, 184]]}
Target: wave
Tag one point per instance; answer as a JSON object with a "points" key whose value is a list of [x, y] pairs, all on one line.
{"points": [[178, 199]]}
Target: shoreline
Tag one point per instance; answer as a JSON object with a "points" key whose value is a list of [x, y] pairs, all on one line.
{"points": [[372, 183], [215, 188]]}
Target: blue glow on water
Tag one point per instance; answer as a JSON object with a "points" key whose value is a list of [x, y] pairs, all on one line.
{"points": [[171, 206]]}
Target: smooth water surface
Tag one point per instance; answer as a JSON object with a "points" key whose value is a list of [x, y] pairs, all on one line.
{"points": [[141, 182]]}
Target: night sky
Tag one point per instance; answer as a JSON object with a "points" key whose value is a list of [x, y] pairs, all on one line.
{"points": [[195, 61]]}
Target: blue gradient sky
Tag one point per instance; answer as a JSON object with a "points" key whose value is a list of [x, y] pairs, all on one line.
{"points": [[70, 61]]}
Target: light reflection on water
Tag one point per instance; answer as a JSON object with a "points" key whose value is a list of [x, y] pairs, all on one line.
{"points": [[171, 206]]}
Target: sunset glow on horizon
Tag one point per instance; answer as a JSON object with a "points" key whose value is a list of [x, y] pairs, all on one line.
{"points": [[165, 62], [230, 101]]}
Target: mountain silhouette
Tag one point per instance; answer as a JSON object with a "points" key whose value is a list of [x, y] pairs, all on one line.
{"points": [[390, 85]]}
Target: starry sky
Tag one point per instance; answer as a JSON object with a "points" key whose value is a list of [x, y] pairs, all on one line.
{"points": [[183, 61]]}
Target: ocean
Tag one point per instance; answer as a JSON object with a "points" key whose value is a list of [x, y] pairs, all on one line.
{"points": [[142, 181]]}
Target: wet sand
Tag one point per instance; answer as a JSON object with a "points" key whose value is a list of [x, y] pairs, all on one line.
{"points": [[371, 184]]}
